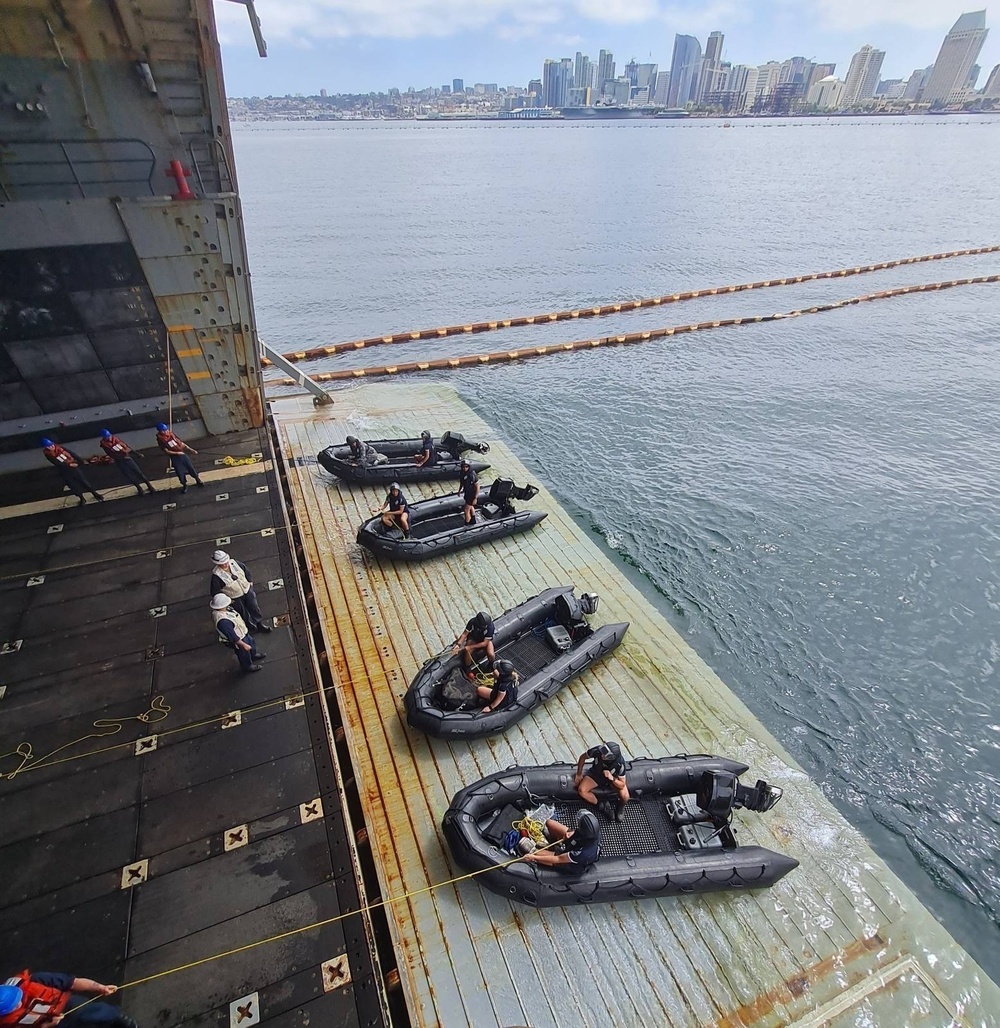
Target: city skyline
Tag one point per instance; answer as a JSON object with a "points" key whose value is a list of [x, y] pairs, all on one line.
{"points": [[346, 46]]}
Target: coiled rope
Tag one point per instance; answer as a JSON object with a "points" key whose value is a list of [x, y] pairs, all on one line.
{"points": [[506, 356], [617, 308]]}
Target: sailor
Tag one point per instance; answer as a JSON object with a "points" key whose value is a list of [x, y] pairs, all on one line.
{"points": [[427, 457], [68, 464], [177, 450], [364, 453], [395, 510], [468, 486], [503, 694], [476, 645], [232, 628], [578, 849], [607, 771], [121, 453], [47, 998], [231, 578]]}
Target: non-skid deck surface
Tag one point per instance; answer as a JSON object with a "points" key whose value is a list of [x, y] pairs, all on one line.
{"points": [[838, 941], [155, 801]]}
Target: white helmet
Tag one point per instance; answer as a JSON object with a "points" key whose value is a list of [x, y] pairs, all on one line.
{"points": [[220, 557], [220, 601]]}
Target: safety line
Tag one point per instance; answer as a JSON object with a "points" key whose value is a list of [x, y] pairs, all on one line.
{"points": [[618, 308], [367, 908], [507, 356]]}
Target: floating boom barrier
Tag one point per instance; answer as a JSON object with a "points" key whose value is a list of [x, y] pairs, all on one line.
{"points": [[506, 356], [617, 308]]}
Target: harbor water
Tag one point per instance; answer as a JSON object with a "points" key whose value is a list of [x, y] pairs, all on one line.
{"points": [[812, 501]]}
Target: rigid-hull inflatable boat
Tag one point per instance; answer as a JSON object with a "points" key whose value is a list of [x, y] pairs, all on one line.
{"points": [[400, 467], [438, 526], [546, 638], [675, 835]]}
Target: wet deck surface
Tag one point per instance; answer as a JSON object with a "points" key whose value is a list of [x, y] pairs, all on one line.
{"points": [[108, 640], [840, 941]]}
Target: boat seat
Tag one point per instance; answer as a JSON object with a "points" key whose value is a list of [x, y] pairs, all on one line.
{"points": [[694, 829], [490, 511], [558, 638]]}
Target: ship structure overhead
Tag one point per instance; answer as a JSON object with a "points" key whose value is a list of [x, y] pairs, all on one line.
{"points": [[124, 288]]}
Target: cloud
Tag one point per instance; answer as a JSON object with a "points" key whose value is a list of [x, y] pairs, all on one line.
{"points": [[851, 15], [301, 20]]}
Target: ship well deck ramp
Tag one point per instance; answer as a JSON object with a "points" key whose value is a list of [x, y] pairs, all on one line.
{"points": [[840, 941]]}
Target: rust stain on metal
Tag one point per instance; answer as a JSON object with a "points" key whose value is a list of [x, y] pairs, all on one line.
{"points": [[800, 985]]}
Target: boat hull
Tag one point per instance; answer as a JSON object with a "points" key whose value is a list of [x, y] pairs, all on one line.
{"points": [[666, 871], [513, 627], [400, 468], [436, 529]]}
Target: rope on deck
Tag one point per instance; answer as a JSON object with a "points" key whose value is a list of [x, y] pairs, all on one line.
{"points": [[506, 356], [617, 308]]}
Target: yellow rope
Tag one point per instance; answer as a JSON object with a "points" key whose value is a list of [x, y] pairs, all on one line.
{"points": [[623, 306], [524, 353]]}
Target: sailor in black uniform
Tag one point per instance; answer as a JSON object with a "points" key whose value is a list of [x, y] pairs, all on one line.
{"points": [[427, 457], [503, 694], [577, 850], [476, 644], [607, 771], [468, 486], [395, 510]]}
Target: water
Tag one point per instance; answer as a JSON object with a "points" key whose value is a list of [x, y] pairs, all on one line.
{"points": [[814, 501]]}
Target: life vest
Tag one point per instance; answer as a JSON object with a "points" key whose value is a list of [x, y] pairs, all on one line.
{"points": [[169, 443], [115, 448], [234, 582], [59, 454], [39, 1003], [228, 615]]}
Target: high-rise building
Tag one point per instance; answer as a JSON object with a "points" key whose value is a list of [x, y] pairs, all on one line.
{"points": [[768, 77], [819, 71], [662, 87], [605, 69], [826, 94], [631, 72], [457, 85], [710, 73], [970, 82], [916, 83], [958, 53], [796, 70], [862, 76], [581, 71], [685, 71], [557, 80], [645, 78], [992, 89]]}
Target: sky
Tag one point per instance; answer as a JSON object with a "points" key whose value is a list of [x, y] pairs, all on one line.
{"points": [[361, 46]]}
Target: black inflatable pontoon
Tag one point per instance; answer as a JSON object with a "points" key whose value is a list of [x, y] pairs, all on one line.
{"points": [[548, 641], [438, 526], [675, 835], [400, 467]]}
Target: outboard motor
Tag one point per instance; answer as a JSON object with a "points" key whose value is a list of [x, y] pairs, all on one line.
{"points": [[456, 444], [570, 611], [721, 792]]}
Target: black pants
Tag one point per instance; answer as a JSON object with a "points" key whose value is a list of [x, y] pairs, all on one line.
{"points": [[132, 472], [77, 481]]}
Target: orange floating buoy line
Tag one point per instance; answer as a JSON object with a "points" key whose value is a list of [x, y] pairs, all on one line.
{"points": [[506, 356], [617, 308]]}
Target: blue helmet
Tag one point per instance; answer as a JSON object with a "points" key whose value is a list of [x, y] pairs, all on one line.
{"points": [[105, 433], [162, 428], [47, 442], [10, 999]]}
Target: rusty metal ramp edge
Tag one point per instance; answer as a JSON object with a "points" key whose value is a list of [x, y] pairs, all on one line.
{"points": [[840, 941]]}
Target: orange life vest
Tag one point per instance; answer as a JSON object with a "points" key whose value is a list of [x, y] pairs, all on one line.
{"points": [[169, 443], [39, 1003], [60, 455], [115, 448]]}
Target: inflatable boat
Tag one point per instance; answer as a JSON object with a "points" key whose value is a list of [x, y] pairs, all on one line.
{"points": [[546, 638], [675, 836], [400, 467], [438, 526]]}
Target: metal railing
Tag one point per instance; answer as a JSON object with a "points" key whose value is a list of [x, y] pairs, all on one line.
{"points": [[75, 168]]}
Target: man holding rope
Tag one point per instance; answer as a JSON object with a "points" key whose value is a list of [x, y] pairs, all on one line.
{"points": [[50, 997]]}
